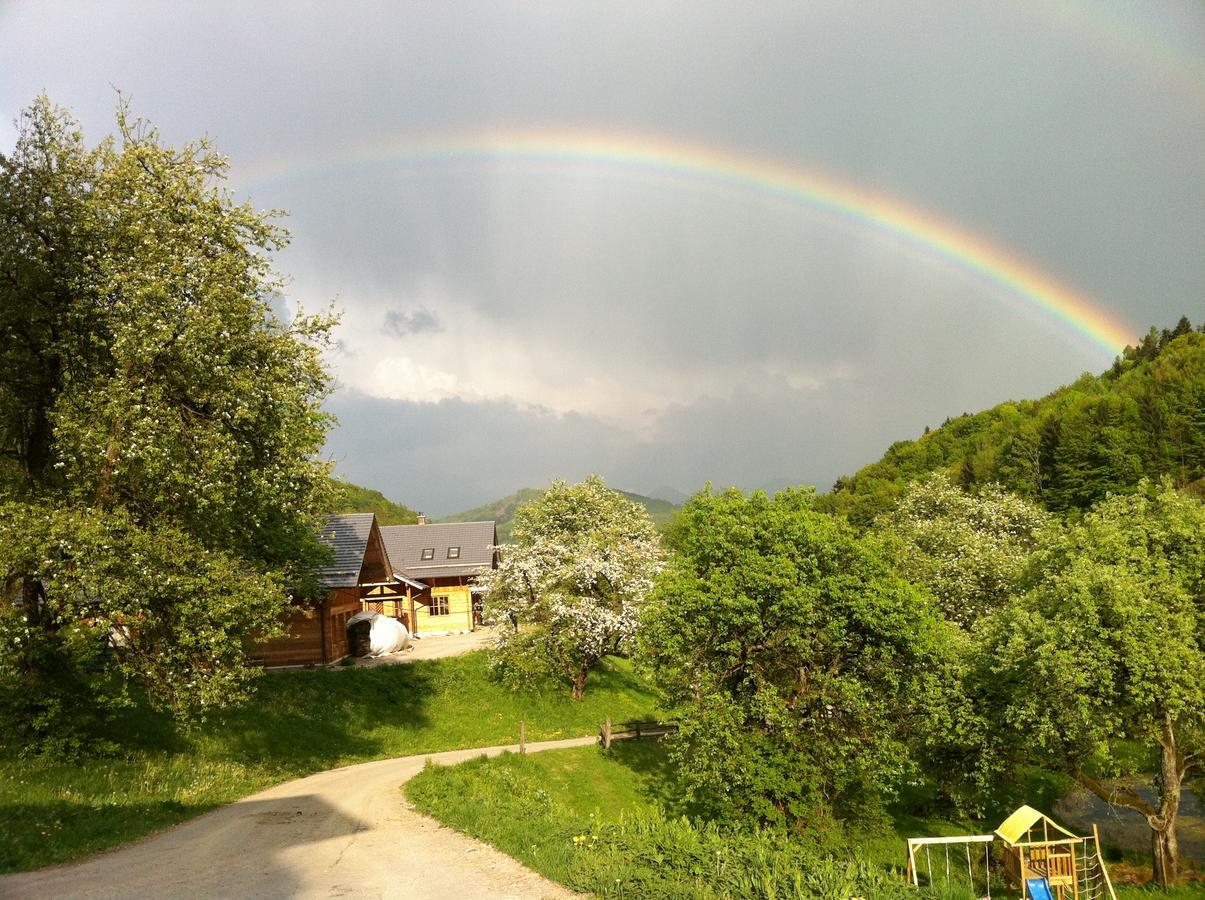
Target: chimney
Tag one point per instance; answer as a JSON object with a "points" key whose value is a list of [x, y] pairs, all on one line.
{"points": [[422, 518]]}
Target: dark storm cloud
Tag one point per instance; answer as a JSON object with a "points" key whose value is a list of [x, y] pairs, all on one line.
{"points": [[699, 331], [403, 322]]}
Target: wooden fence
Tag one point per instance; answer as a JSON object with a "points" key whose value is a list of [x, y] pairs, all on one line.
{"points": [[623, 731]]}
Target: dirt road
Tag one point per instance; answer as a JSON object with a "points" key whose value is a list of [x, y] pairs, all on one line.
{"points": [[437, 647], [343, 833]]}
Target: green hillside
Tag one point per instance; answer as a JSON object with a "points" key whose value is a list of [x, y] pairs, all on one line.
{"points": [[353, 498], [1144, 417], [503, 511]]}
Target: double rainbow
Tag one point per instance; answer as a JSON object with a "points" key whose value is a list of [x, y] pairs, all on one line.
{"points": [[665, 158]]}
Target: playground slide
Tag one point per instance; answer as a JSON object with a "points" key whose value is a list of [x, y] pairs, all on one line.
{"points": [[1038, 888]]}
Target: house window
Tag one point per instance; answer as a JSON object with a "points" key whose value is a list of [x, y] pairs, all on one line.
{"points": [[429, 553], [439, 604], [453, 553]]}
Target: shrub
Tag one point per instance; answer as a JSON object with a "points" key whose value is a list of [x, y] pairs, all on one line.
{"points": [[520, 661]]}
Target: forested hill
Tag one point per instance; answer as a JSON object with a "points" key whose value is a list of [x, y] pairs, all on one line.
{"points": [[353, 498], [503, 511], [1145, 417]]}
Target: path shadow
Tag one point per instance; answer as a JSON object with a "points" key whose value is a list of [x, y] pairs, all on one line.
{"points": [[309, 720], [238, 850]]}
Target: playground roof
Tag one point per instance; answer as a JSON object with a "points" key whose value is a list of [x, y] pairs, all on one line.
{"points": [[1014, 828]]}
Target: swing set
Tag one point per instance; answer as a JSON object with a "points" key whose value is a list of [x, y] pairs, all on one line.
{"points": [[1065, 866]]}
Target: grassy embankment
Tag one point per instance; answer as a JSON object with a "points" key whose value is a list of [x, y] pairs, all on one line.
{"points": [[299, 722], [612, 824]]}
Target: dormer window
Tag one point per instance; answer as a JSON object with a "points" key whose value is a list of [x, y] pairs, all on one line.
{"points": [[453, 553], [429, 553]]}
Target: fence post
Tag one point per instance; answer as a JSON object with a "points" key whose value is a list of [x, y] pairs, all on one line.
{"points": [[522, 737], [607, 734]]}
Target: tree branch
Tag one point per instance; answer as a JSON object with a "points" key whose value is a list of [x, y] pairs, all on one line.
{"points": [[1117, 796]]}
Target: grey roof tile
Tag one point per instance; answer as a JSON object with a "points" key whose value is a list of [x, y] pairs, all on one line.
{"points": [[347, 535], [405, 544]]}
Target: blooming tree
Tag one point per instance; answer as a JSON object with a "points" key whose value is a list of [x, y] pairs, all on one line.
{"points": [[967, 549], [160, 423], [573, 582]]}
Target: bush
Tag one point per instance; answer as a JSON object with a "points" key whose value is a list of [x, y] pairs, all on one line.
{"points": [[54, 695], [520, 660]]}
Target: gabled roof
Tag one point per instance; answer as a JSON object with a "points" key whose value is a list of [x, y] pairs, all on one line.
{"points": [[347, 535], [405, 545], [1015, 827]]}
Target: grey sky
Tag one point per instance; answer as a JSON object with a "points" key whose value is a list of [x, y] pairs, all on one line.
{"points": [[508, 321]]}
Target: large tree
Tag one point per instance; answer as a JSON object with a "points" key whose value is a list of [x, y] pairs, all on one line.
{"points": [[148, 384], [1105, 652], [801, 660], [574, 578]]}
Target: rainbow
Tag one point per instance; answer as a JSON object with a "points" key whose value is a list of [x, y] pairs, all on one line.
{"points": [[666, 158]]}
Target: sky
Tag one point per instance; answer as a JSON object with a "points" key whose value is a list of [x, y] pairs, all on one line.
{"points": [[672, 243]]}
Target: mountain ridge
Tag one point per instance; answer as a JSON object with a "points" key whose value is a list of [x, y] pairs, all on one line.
{"points": [[1142, 418]]}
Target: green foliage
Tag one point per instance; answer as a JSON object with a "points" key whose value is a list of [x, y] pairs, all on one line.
{"points": [[351, 498], [170, 387], [803, 663], [104, 601], [523, 659], [582, 563], [1107, 648], [612, 824], [1143, 418], [162, 422], [503, 511], [1109, 638], [967, 550], [296, 723]]}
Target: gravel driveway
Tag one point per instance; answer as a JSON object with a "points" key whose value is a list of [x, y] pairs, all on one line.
{"points": [[342, 833]]}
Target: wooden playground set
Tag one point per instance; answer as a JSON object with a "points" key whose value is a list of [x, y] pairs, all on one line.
{"points": [[1039, 857]]}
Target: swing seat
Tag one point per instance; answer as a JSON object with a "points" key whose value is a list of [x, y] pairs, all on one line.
{"points": [[1039, 888]]}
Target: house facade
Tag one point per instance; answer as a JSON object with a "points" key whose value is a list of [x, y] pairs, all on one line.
{"points": [[445, 558]]}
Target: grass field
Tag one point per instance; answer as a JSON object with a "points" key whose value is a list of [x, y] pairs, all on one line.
{"points": [[298, 723], [612, 823]]}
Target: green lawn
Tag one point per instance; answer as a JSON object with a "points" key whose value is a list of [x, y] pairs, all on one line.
{"points": [[613, 824], [298, 723]]}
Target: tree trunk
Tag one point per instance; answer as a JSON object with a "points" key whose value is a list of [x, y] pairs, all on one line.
{"points": [[579, 682], [1162, 818], [1165, 847]]}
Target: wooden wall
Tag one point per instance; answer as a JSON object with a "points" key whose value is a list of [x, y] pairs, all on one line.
{"points": [[460, 608], [315, 636]]}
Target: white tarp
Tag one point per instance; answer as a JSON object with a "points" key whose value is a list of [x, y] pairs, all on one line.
{"points": [[386, 636]]}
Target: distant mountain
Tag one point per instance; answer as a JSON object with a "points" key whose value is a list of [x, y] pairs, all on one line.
{"points": [[661, 511], [1143, 418], [353, 498], [502, 511], [670, 495]]}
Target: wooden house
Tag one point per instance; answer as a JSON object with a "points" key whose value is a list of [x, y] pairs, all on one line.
{"points": [[440, 562], [317, 634]]}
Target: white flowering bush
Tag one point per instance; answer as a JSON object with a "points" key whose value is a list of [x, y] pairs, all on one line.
{"points": [[572, 585], [968, 550]]}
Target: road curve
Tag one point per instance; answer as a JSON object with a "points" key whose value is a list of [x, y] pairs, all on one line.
{"points": [[341, 833]]}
